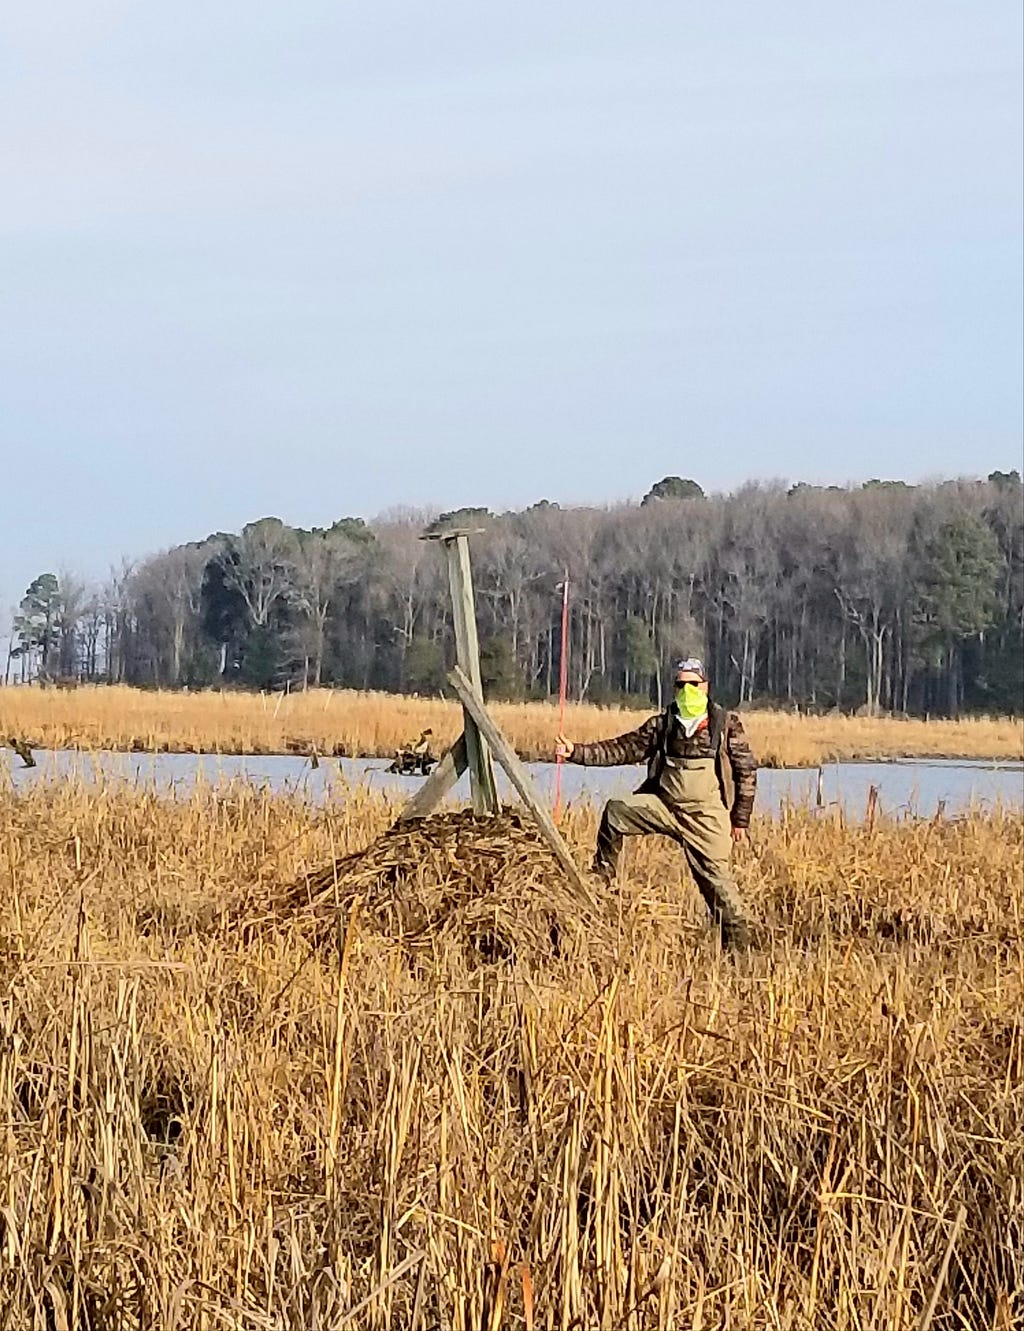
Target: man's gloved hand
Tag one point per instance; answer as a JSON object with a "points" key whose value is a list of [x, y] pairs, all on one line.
{"points": [[564, 747]]}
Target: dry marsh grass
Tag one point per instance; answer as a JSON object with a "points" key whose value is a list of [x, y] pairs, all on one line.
{"points": [[370, 725], [212, 1120]]}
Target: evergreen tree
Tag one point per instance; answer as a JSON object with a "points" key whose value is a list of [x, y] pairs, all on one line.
{"points": [[956, 594], [37, 624], [672, 487]]}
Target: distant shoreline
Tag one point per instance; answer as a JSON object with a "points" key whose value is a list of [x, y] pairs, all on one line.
{"points": [[342, 723], [769, 761]]}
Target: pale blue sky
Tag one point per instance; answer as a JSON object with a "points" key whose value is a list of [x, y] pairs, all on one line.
{"points": [[314, 259]]}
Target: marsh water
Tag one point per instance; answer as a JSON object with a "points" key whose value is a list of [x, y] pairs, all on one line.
{"points": [[919, 787]]}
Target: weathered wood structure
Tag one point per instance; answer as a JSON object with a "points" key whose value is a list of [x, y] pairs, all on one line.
{"points": [[481, 738]]}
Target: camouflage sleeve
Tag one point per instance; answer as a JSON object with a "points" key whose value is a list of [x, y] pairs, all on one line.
{"points": [[635, 747], [744, 771]]}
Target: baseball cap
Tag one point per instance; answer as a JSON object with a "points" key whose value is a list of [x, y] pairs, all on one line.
{"points": [[691, 665]]}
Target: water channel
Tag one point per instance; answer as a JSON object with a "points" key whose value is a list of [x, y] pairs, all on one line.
{"points": [[918, 787]]}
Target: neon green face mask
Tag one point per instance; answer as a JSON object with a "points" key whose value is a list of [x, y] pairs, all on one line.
{"points": [[691, 701]]}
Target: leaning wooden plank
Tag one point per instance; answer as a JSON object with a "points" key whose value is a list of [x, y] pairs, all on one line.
{"points": [[438, 783], [520, 779]]}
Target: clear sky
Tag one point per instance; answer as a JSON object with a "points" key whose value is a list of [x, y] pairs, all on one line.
{"points": [[313, 259]]}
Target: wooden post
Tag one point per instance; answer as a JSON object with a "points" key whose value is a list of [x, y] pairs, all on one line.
{"points": [[520, 779], [467, 654]]}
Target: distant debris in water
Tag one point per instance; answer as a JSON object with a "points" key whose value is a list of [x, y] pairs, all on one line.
{"points": [[416, 758], [22, 749]]}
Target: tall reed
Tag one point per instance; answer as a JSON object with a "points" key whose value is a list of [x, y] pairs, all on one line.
{"points": [[209, 1122], [375, 724]]}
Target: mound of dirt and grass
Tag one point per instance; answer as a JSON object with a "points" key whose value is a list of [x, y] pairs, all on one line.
{"points": [[489, 883]]}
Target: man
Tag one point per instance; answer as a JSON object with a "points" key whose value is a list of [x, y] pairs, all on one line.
{"points": [[701, 780]]}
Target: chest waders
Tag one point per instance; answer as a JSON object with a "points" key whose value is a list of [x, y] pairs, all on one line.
{"points": [[687, 799], [662, 761]]}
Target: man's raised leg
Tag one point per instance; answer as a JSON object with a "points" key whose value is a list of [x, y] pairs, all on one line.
{"points": [[634, 815]]}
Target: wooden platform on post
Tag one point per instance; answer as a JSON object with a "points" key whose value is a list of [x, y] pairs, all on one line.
{"points": [[481, 735], [520, 778], [467, 654]]}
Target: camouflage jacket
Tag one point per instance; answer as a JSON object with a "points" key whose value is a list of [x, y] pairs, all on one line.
{"points": [[662, 737]]}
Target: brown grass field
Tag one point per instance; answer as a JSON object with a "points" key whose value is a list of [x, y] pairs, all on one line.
{"points": [[373, 725], [212, 1119]]}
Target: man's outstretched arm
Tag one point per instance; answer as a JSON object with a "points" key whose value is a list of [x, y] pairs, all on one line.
{"points": [[634, 747]]}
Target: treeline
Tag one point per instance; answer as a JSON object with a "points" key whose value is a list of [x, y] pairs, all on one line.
{"points": [[888, 597]]}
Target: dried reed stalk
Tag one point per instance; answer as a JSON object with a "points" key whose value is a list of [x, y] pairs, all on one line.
{"points": [[209, 1120]]}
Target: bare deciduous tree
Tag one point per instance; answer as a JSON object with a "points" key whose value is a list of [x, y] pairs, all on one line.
{"points": [[259, 564], [811, 596]]}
